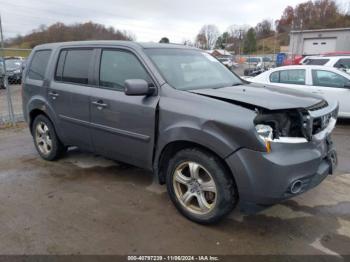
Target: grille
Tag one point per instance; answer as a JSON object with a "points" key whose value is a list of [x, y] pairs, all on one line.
{"points": [[320, 123], [318, 106]]}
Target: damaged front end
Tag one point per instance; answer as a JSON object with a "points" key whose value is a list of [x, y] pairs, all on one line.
{"points": [[300, 125]]}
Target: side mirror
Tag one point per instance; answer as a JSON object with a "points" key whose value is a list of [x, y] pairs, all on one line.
{"points": [[137, 87]]}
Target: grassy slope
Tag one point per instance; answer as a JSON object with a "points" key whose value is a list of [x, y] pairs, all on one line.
{"points": [[269, 43]]}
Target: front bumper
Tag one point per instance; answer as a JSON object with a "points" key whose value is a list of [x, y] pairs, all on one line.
{"points": [[266, 178]]}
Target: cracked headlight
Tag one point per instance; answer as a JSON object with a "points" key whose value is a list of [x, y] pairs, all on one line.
{"points": [[265, 133]]}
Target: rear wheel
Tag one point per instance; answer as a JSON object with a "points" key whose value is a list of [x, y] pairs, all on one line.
{"points": [[200, 186], [45, 139]]}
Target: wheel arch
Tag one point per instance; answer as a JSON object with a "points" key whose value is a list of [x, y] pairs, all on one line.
{"points": [[174, 146], [36, 106]]}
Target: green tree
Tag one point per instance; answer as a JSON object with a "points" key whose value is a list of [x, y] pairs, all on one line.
{"points": [[250, 41], [164, 40], [222, 41]]}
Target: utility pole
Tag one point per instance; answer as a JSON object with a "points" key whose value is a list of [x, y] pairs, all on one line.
{"points": [[240, 42], [8, 94]]}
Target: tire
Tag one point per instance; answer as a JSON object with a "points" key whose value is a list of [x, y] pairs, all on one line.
{"points": [[45, 139], [195, 196]]}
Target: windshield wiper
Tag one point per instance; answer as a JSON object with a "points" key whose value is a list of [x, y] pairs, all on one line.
{"points": [[234, 84]]}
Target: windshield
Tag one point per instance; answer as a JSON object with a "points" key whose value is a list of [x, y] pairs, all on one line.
{"points": [[13, 64], [191, 69]]}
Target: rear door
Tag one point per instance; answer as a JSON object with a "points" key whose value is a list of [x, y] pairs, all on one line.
{"points": [[69, 95], [123, 127], [331, 86]]}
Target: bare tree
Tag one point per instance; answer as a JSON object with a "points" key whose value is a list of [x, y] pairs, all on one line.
{"points": [[201, 41], [187, 42], [264, 29], [237, 34], [208, 35]]}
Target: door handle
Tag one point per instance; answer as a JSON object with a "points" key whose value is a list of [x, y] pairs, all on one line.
{"points": [[99, 104], [54, 95]]}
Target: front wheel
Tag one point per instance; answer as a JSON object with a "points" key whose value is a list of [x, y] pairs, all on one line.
{"points": [[200, 186]]}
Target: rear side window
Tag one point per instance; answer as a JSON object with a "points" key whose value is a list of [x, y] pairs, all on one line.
{"points": [[293, 76], [118, 66], [316, 61], [37, 68], [73, 66], [328, 79]]}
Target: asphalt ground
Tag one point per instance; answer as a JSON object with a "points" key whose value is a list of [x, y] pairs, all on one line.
{"points": [[87, 204]]}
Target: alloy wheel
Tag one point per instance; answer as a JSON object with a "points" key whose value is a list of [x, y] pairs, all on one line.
{"points": [[194, 187], [43, 138]]}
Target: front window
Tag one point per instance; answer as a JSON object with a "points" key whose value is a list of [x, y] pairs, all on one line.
{"points": [[118, 66], [292, 76], [191, 69]]}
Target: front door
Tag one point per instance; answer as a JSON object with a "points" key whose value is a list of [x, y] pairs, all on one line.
{"points": [[123, 127]]}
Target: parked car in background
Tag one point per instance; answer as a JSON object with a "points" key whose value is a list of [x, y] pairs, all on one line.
{"points": [[328, 82], [228, 62], [2, 73], [340, 62], [14, 69], [256, 65], [292, 59], [214, 140]]}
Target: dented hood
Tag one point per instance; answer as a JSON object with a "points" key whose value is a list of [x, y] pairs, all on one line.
{"points": [[268, 97]]}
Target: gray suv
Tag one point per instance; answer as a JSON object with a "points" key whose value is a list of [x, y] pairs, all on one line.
{"points": [[212, 138]]}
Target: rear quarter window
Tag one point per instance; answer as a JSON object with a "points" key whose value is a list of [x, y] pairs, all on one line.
{"points": [[38, 65]]}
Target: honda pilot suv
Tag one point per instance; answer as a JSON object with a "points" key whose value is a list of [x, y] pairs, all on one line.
{"points": [[213, 139]]}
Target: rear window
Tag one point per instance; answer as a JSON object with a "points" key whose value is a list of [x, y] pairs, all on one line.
{"points": [[73, 66], [38, 65], [253, 60], [316, 61]]}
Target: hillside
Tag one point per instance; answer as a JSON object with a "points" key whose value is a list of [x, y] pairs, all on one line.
{"points": [[270, 44], [60, 32]]}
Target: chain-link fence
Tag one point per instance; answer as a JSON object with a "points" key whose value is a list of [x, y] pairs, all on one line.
{"points": [[12, 63]]}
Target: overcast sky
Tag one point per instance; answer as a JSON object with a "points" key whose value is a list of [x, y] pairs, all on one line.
{"points": [[149, 20]]}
